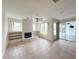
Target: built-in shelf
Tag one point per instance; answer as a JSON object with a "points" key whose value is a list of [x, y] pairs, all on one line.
{"points": [[14, 35]]}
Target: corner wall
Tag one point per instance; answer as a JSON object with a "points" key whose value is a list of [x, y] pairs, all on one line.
{"points": [[4, 29], [50, 36]]}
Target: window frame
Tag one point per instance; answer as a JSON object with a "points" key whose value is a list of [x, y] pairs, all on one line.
{"points": [[14, 27], [44, 32]]}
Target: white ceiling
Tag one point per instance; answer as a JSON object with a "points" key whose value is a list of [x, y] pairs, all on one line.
{"points": [[41, 8]]}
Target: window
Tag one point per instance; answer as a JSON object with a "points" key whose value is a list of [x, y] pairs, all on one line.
{"points": [[54, 28], [34, 27], [14, 24], [60, 25], [17, 26], [44, 28]]}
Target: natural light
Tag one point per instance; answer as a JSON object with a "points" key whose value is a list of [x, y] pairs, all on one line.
{"points": [[54, 28], [34, 27], [44, 28], [17, 26]]}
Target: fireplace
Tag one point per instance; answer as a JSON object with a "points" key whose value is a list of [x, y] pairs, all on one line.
{"points": [[27, 35]]}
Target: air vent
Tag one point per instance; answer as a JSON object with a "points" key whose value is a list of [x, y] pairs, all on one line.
{"points": [[55, 1]]}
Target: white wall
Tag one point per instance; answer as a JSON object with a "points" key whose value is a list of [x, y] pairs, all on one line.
{"points": [[50, 30], [4, 30]]}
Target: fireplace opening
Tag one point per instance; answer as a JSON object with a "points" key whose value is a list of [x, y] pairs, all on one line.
{"points": [[28, 35]]}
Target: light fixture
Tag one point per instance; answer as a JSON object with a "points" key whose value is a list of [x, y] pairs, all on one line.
{"points": [[55, 1], [37, 19]]}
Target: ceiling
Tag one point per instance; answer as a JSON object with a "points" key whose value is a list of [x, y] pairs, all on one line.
{"points": [[41, 8]]}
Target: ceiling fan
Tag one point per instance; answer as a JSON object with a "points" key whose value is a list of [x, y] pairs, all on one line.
{"points": [[55, 1]]}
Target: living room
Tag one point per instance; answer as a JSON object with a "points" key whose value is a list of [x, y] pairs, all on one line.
{"points": [[39, 29]]}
